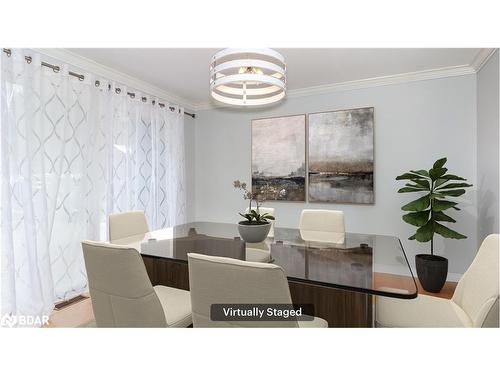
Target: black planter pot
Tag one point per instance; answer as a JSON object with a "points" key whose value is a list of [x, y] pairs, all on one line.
{"points": [[432, 271]]}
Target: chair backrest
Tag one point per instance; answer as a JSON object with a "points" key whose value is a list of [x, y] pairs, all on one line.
{"points": [[477, 290], [127, 224], [322, 225], [120, 289], [230, 281], [270, 211], [207, 245]]}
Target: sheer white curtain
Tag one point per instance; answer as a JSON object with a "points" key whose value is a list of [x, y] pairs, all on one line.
{"points": [[71, 153]]}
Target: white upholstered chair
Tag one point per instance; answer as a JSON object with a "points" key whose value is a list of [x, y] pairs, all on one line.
{"points": [[474, 303], [226, 280], [322, 226], [127, 224], [260, 252], [122, 294]]}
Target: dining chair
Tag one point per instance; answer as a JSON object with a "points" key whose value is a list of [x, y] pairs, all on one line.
{"points": [[127, 224], [218, 280], [260, 252], [474, 303], [322, 226], [122, 294]]}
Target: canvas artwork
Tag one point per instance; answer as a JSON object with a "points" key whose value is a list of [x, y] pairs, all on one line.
{"points": [[279, 158], [341, 156]]}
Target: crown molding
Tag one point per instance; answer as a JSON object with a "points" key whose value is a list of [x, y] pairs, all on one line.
{"points": [[395, 79], [482, 58], [423, 75], [94, 67]]}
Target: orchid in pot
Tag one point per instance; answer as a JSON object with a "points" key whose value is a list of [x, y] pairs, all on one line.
{"points": [[256, 226]]}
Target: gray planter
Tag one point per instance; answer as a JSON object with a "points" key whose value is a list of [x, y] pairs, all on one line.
{"points": [[253, 232]]}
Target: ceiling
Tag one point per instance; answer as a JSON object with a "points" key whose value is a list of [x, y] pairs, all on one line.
{"points": [[184, 72]]}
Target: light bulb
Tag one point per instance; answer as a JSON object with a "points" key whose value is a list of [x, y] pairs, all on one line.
{"points": [[250, 70]]}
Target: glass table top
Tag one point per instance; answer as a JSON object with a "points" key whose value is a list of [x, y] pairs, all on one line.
{"points": [[368, 263]]}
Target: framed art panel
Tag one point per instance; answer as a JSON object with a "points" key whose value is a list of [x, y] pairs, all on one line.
{"points": [[341, 156], [279, 158]]}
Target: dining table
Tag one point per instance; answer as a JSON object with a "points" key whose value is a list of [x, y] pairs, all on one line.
{"points": [[340, 279]]}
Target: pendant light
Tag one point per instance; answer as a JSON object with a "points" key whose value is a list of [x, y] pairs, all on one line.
{"points": [[247, 77]]}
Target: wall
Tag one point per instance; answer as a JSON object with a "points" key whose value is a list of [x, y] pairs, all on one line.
{"points": [[415, 123], [487, 151]]}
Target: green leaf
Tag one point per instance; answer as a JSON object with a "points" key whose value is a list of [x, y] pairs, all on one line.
{"points": [[439, 182], [415, 186], [456, 208], [408, 176], [424, 233], [436, 173], [453, 177], [410, 190], [441, 205], [421, 172], [452, 193], [455, 185], [247, 216], [447, 232], [439, 163], [418, 205], [441, 216], [417, 218], [423, 183], [437, 195]]}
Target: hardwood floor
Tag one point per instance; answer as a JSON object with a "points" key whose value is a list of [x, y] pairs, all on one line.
{"points": [[72, 315], [396, 281]]}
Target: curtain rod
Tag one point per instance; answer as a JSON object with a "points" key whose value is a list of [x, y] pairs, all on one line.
{"points": [[81, 77]]}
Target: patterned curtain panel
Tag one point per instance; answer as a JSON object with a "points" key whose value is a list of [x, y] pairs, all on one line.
{"points": [[71, 153]]}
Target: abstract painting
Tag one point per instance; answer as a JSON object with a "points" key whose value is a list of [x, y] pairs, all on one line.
{"points": [[341, 156], [279, 158]]}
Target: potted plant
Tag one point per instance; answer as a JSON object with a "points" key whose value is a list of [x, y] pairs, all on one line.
{"points": [[427, 213], [256, 226]]}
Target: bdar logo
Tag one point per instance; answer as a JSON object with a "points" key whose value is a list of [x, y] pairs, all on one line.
{"points": [[8, 321], [23, 320]]}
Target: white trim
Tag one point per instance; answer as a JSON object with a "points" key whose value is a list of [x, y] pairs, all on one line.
{"points": [[482, 58], [395, 79], [89, 65], [366, 83], [454, 276]]}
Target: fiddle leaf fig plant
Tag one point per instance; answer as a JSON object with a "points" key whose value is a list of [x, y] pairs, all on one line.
{"points": [[435, 188]]}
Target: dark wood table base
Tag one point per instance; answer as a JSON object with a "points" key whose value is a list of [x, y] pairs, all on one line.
{"points": [[340, 308]]}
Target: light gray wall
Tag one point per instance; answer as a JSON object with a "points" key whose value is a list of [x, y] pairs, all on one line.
{"points": [[487, 150], [190, 154], [415, 123]]}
